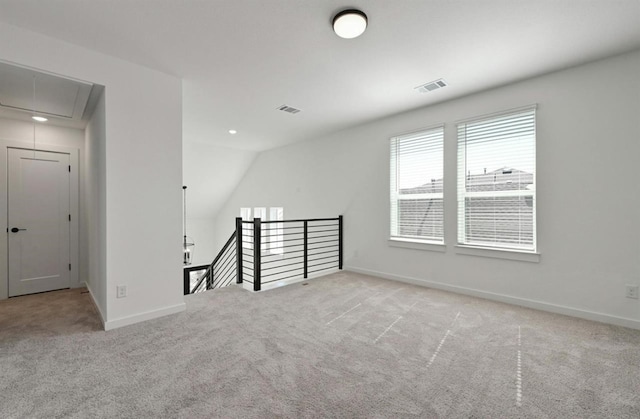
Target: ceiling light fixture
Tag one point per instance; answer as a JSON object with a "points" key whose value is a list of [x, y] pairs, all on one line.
{"points": [[232, 131], [39, 118], [350, 23]]}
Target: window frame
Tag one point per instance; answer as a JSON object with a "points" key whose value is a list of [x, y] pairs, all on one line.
{"points": [[493, 249], [395, 239], [270, 244]]}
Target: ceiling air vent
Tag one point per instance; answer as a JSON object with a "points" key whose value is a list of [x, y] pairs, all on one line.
{"points": [[431, 86], [289, 109]]}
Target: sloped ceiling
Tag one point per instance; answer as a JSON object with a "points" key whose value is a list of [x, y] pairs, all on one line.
{"points": [[242, 59]]}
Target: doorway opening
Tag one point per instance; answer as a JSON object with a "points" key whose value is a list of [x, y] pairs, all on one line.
{"points": [[49, 179]]}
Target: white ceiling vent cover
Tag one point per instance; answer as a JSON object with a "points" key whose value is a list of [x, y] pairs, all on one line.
{"points": [[288, 109], [431, 86]]}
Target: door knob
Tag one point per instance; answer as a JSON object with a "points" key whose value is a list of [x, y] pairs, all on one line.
{"points": [[16, 229]]}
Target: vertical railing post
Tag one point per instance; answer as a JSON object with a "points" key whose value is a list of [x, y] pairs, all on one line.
{"points": [[238, 250], [186, 278], [340, 242], [257, 252], [306, 247]]}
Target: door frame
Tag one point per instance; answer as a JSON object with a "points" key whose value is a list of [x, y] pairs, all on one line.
{"points": [[74, 208]]}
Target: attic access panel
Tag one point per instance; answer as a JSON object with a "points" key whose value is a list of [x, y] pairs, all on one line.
{"points": [[54, 96]]}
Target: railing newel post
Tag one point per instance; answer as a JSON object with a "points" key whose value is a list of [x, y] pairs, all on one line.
{"points": [[340, 244], [238, 250], [186, 278], [257, 253], [306, 247]]}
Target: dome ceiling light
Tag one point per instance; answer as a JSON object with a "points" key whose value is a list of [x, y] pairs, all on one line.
{"points": [[350, 23]]}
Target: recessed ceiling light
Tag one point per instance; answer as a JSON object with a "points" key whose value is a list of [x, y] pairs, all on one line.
{"points": [[350, 23], [232, 131], [39, 118]]}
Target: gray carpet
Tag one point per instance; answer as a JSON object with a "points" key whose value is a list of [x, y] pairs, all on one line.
{"points": [[346, 345]]}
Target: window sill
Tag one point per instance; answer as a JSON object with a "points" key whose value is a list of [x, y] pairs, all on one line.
{"points": [[419, 245], [498, 253]]}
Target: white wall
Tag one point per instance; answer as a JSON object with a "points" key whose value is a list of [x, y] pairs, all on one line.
{"points": [[201, 230], [143, 171], [588, 131], [210, 173], [93, 249], [14, 131]]}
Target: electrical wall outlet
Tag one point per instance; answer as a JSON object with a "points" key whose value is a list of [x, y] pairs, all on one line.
{"points": [[632, 291], [121, 291]]}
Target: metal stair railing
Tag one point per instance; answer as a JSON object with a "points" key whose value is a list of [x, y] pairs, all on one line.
{"points": [[263, 252]]}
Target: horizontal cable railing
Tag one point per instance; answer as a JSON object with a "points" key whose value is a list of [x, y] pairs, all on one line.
{"points": [[224, 270], [221, 272], [264, 252], [279, 250]]}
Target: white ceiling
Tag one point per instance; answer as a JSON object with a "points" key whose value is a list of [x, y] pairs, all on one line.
{"points": [[242, 59]]}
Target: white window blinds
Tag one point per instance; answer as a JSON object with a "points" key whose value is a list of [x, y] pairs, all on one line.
{"points": [[496, 181], [417, 209]]}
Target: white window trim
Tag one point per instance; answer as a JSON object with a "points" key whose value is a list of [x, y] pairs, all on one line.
{"points": [[495, 114], [498, 252], [417, 244], [400, 241]]}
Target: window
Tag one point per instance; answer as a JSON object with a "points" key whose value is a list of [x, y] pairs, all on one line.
{"points": [[261, 213], [496, 181], [272, 234], [276, 234], [416, 186], [247, 229]]}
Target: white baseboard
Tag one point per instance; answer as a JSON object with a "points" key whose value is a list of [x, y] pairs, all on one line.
{"points": [[140, 317], [278, 284], [95, 303], [539, 305]]}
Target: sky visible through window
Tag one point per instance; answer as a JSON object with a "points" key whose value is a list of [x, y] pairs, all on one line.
{"points": [[497, 154], [418, 167]]}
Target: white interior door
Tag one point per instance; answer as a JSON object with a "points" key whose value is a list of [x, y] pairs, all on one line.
{"points": [[38, 220]]}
